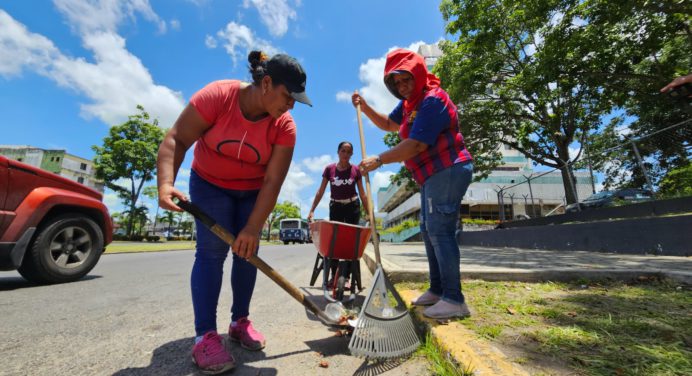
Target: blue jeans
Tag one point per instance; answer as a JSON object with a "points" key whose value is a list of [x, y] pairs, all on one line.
{"points": [[231, 209], [441, 196]]}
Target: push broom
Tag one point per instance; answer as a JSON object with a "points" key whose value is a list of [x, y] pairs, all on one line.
{"points": [[384, 329]]}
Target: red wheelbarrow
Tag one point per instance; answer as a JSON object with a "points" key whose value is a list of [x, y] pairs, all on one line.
{"points": [[343, 242]]}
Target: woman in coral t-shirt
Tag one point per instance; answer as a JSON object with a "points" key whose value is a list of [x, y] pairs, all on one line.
{"points": [[244, 139]]}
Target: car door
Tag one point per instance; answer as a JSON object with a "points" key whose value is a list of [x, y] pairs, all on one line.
{"points": [[4, 188]]}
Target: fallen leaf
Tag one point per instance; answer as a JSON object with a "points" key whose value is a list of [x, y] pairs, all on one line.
{"points": [[571, 314], [511, 311], [324, 364]]}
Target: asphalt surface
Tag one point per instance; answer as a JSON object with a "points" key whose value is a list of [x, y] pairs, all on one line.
{"points": [[132, 315]]}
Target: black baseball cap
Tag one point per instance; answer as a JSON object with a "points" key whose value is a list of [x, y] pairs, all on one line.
{"points": [[286, 70]]}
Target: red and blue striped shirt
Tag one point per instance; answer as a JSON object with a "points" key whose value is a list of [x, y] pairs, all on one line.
{"points": [[434, 123]]}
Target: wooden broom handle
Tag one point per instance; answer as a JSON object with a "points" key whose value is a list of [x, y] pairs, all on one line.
{"points": [[371, 208]]}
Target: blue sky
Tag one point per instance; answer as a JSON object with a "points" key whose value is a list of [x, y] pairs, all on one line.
{"points": [[70, 69]]}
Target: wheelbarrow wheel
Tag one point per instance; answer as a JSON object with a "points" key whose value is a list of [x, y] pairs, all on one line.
{"points": [[340, 284]]}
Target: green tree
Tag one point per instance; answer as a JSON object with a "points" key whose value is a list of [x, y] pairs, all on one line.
{"points": [[119, 219], [539, 75], [677, 182], [171, 217], [281, 211], [516, 72], [152, 193], [129, 153], [641, 45]]}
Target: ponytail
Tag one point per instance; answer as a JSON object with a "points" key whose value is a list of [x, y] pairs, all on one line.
{"points": [[258, 66]]}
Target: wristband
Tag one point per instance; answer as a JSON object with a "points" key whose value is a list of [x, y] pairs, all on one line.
{"points": [[379, 161]]}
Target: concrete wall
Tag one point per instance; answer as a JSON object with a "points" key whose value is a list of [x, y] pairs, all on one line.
{"points": [[670, 236]]}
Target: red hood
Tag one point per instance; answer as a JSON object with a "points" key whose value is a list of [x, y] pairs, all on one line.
{"points": [[405, 60]]}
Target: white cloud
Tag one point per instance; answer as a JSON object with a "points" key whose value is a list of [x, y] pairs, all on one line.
{"points": [[380, 180], [105, 15], [210, 42], [343, 96], [115, 83], [371, 74], [296, 181], [274, 14], [237, 37], [175, 24], [22, 49], [317, 164], [573, 151], [112, 202]]}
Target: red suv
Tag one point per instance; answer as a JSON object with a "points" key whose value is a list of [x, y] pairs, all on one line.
{"points": [[52, 229]]}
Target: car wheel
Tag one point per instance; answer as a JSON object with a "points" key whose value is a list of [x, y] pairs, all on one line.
{"points": [[66, 249]]}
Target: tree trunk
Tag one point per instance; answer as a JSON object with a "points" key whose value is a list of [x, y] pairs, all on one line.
{"points": [[567, 176], [130, 221], [269, 232]]}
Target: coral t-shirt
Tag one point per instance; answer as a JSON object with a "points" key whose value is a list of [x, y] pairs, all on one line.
{"points": [[233, 153]]}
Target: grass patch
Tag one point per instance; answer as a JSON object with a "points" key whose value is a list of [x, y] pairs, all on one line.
{"points": [[441, 363], [131, 247], [589, 328]]}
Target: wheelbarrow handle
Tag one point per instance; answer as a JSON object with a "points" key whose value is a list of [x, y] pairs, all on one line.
{"points": [[228, 238]]}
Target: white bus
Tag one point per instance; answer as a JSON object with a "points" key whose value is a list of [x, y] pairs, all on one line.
{"points": [[294, 230]]}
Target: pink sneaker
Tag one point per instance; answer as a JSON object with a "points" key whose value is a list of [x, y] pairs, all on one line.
{"points": [[248, 337], [211, 356]]}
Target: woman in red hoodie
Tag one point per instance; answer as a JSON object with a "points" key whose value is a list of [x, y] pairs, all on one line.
{"points": [[433, 149]]}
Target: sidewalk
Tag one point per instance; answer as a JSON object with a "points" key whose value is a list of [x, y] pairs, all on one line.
{"points": [[408, 262]]}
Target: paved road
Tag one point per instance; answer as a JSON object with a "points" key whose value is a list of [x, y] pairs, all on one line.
{"points": [[133, 316]]}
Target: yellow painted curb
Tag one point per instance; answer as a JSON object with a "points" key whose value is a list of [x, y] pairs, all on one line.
{"points": [[465, 346]]}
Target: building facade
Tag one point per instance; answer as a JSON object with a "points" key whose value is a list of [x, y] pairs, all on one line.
{"points": [[56, 161], [513, 190]]}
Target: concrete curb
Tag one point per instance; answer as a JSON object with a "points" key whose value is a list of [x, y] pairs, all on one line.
{"points": [[478, 355]]}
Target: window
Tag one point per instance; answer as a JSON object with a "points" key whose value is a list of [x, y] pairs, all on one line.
{"points": [[80, 180], [82, 166], [57, 159]]}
